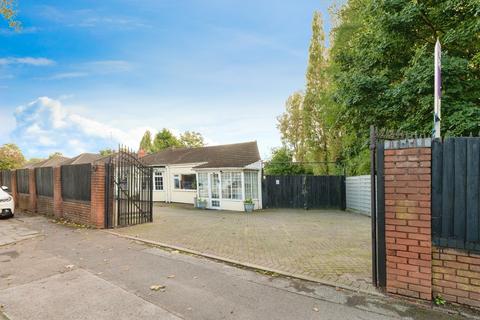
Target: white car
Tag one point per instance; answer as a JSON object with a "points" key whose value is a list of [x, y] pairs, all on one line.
{"points": [[7, 206]]}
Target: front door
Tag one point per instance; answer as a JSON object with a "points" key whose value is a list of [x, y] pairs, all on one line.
{"points": [[215, 190]]}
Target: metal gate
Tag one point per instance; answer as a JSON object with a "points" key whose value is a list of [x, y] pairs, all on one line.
{"points": [[379, 264], [128, 190]]}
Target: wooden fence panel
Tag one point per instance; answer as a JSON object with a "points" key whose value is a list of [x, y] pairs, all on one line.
{"points": [[44, 181], [76, 182], [22, 181], [456, 193], [300, 191], [473, 191], [6, 177]]}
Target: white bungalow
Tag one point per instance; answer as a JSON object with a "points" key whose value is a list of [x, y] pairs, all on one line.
{"points": [[224, 175]]}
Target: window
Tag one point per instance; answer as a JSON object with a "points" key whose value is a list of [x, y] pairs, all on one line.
{"points": [[232, 185], [203, 185], [185, 181], [251, 185], [176, 181], [157, 180]]}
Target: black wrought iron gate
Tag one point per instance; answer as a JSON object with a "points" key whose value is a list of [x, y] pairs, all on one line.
{"points": [[128, 190], [379, 267]]}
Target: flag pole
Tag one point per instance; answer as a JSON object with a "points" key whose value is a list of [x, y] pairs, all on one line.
{"points": [[438, 90]]}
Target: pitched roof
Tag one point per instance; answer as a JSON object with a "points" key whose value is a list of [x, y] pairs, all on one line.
{"points": [[52, 162], [236, 155], [83, 158]]}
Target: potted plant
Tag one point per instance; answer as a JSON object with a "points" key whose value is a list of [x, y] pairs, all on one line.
{"points": [[201, 203], [249, 205]]}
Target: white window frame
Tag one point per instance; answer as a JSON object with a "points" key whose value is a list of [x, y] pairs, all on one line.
{"points": [[252, 178], [205, 185], [227, 190], [157, 173], [178, 177]]}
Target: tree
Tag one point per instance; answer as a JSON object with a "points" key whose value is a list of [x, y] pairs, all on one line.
{"points": [[55, 155], [11, 157], [146, 142], [9, 11], [315, 102], [106, 152], [191, 139], [165, 139], [291, 126], [281, 163], [382, 58]]}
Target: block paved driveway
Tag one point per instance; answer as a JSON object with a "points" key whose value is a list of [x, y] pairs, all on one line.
{"points": [[327, 246]]}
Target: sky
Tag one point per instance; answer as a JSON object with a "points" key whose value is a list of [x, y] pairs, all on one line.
{"points": [[82, 76]]}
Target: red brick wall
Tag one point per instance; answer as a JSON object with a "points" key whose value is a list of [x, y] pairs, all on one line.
{"points": [[45, 205], [57, 193], [77, 211], [13, 189], [408, 222], [456, 276], [32, 204], [91, 213], [23, 202], [98, 196]]}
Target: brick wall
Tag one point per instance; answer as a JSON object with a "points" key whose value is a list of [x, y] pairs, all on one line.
{"points": [[13, 189], [84, 212], [45, 205], [32, 195], [97, 196], [77, 211], [407, 221], [23, 202], [57, 192], [456, 276]]}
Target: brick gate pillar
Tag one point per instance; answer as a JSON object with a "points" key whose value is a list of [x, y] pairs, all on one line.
{"points": [[97, 216], [57, 192], [408, 231], [32, 191], [13, 186]]}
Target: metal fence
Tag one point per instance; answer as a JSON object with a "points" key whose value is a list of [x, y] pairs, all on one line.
{"points": [[358, 194], [22, 181], [44, 181], [76, 182], [302, 191], [6, 178], [456, 193]]}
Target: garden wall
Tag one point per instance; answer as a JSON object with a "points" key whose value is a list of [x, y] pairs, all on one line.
{"points": [[73, 192], [432, 258]]}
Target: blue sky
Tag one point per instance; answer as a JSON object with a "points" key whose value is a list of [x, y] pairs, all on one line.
{"points": [[85, 75]]}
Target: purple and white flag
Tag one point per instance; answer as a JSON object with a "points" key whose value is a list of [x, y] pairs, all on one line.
{"points": [[438, 90]]}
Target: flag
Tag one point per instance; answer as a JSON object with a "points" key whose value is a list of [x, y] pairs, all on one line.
{"points": [[438, 90]]}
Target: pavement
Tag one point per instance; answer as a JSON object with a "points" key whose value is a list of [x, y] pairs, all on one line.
{"points": [[327, 246], [67, 272], [11, 232]]}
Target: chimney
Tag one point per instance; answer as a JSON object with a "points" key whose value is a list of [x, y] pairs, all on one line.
{"points": [[141, 153]]}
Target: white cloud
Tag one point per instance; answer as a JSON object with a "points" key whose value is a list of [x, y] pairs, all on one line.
{"points": [[92, 68], [46, 125], [67, 75], [108, 66], [27, 61], [88, 18], [22, 30]]}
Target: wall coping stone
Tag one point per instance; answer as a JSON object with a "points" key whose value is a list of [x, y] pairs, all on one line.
{"points": [[408, 143]]}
